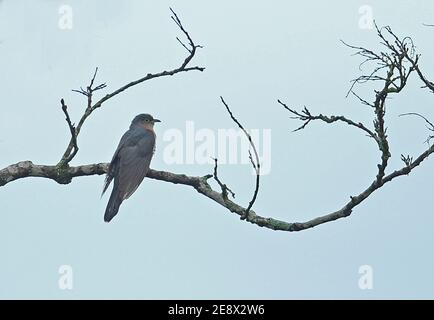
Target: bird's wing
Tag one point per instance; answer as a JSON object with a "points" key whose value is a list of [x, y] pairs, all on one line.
{"points": [[113, 166], [134, 158]]}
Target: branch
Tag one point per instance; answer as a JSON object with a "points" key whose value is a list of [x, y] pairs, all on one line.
{"points": [[223, 186], [430, 125], [428, 84], [405, 49], [200, 184], [67, 156], [193, 47], [347, 209], [256, 164], [90, 89], [398, 61], [307, 117], [394, 62], [62, 175]]}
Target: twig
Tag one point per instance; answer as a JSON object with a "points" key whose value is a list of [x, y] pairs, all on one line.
{"points": [[193, 46], [407, 160], [430, 125], [256, 166], [67, 158], [223, 186], [307, 117]]}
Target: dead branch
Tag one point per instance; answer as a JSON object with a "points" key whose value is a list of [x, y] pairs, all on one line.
{"points": [[392, 69], [255, 163], [90, 89], [67, 157], [225, 189], [429, 124]]}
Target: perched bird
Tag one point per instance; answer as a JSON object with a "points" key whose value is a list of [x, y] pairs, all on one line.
{"points": [[130, 163]]}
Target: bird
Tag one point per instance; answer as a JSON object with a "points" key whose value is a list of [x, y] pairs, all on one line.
{"points": [[130, 162]]}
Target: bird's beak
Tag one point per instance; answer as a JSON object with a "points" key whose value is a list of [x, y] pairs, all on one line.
{"points": [[156, 120]]}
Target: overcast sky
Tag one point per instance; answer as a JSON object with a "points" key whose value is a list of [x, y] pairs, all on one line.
{"points": [[167, 240]]}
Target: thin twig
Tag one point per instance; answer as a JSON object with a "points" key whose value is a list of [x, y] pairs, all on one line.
{"points": [[256, 166], [193, 46], [67, 158], [223, 186], [307, 117], [430, 125]]}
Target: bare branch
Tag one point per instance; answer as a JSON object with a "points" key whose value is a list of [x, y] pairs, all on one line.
{"points": [[90, 89], [28, 169], [81, 91], [183, 44], [430, 125], [67, 157], [93, 79], [193, 46], [256, 165], [362, 101], [224, 187], [62, 175], [398, 62], [407, 160], [415, 66], [307, 117], [393, 60]]}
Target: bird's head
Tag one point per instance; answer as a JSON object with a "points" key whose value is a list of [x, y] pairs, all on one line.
{"points": [[144, 120]]}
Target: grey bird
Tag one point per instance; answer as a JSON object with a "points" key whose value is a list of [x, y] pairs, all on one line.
{"points": [[130, 163]]}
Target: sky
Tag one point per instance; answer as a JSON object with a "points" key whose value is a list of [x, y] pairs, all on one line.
{"points": [[168, 241]]}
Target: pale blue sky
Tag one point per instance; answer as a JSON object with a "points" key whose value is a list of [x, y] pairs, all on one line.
{"points": [[189, 247]]}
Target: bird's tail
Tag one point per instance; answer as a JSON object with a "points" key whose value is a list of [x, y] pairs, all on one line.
{"points": [[113, 205]]}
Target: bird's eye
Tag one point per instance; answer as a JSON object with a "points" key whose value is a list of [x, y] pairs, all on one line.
{"points": [[147, 120]]}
